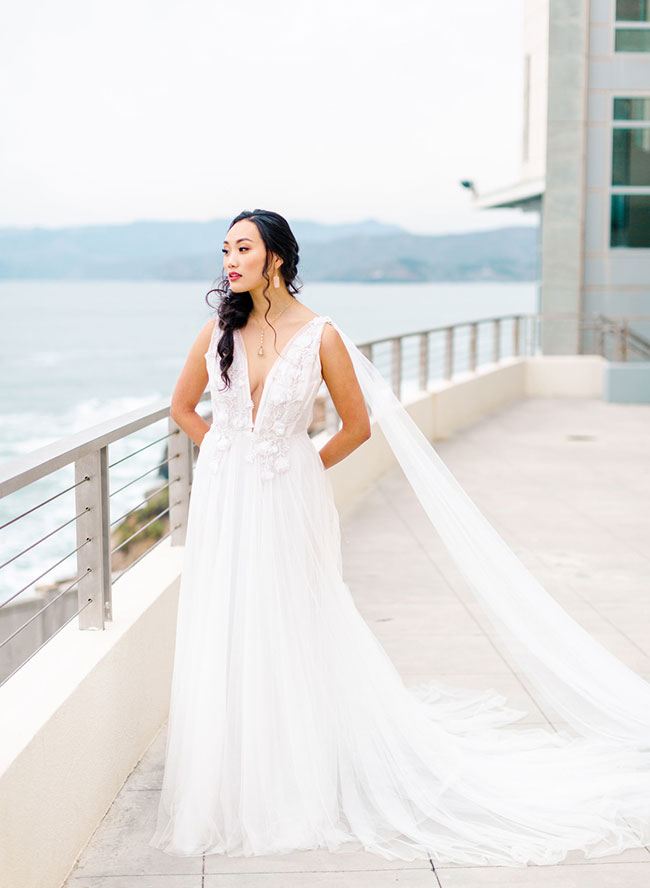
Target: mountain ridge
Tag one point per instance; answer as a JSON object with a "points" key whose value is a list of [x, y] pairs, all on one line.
{"points": [[367, 251]]}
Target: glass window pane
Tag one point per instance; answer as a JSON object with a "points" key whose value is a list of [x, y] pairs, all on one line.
{"points": [[630, 225], [632, 40], [632, 11], [631, 156], [632, 109]]}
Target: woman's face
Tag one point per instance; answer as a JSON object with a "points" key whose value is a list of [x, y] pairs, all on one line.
{"points": [[244, 254]]}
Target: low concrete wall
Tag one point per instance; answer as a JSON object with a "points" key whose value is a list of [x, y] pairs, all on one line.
{"points": [[448, 407], [572, 376], [470, 396], [78, 716]]}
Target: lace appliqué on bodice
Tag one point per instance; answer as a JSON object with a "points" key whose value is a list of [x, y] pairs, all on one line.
{"points": [[280, 407]]}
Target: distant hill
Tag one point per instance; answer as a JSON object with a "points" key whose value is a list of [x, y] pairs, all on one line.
{"points": [[362, 251]]}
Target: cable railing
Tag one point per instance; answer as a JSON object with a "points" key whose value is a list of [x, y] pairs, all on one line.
{"points": [[99, 485], [414, 360], [99, 549]]}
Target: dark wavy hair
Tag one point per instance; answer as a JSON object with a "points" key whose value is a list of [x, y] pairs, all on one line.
{"points": [[233, 309]]}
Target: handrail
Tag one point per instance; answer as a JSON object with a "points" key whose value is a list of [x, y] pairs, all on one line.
{"points": [[413, 359], [30, 467], [626, 338]]}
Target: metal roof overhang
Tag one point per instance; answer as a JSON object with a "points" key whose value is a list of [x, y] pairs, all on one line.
{"points": [[524, 195]]}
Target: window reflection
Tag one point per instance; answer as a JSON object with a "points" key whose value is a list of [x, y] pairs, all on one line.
{"points": [[632, 40], [632, 11], [630, 220], [632, 109], [631, 156]]}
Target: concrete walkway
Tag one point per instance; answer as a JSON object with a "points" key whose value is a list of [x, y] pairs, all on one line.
{"points": [[567, 484]]}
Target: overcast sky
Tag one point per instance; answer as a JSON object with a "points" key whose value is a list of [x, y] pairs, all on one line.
{"points": [[336, 111]]}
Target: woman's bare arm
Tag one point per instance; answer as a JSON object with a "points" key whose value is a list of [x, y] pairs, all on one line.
{"points": [[343, 386], [190, 386]]}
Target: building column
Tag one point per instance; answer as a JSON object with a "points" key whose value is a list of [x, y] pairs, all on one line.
{"points": [[563, 206]]}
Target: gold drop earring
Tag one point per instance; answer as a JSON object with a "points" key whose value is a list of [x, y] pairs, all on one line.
{"points": [[276, 281]]}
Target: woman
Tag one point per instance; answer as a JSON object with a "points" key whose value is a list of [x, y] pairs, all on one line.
{"points": [[289, 726]]}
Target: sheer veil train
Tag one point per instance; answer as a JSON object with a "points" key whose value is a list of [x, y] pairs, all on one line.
{"points": [[583, 681]]}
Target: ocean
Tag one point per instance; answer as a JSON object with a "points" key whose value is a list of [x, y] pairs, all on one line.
{"points": [[74, 353]]}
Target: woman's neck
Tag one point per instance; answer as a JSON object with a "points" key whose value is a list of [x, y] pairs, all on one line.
{"points": [[280, 300]]}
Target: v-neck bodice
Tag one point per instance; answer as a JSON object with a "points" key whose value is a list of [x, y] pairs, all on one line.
{"points": [[286, 405], [239, 337]]}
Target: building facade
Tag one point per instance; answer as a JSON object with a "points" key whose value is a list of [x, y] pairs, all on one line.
{"points": [[585, 160]]}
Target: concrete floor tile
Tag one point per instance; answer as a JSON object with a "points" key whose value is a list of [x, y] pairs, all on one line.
{"points": [[594, 875], [625, 649], [409, 878], [419, 617], [320, 860], [443, 654], [149, 772], [130, 881], [625, 616], [119, 845]]}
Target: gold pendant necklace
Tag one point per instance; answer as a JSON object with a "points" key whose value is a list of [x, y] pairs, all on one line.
{"points": [[260, 350]]}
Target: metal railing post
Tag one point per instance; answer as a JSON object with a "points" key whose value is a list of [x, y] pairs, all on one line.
{"points": [[424, 361], [496, 345], [180, 453], [602, 336], [515, 336], [93, 535], [449, 352], [396, 366], [536, 343], [472, 345], [625, 332]]}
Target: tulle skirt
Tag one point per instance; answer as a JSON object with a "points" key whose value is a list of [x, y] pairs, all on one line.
{"points": [[290, 728]]}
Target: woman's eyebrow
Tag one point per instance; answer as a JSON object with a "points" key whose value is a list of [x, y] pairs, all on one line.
{"points": [[240, 239]]}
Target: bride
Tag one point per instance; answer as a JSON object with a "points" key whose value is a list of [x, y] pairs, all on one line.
{"points": [[289, 727]]}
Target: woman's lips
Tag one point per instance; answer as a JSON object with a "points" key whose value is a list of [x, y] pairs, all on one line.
{"points": [[233, 277]]}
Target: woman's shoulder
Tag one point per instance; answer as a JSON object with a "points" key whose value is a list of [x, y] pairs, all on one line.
{"points": [[331, 342], [209, 328], [206, 334]]}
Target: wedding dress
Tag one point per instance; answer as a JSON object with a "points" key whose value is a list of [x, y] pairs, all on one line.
{"points": [[290, 728]]}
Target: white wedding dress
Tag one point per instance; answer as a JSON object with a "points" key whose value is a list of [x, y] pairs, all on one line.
{"points": [[289, 726]]}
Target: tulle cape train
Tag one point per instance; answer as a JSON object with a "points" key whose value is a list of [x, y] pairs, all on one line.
{"points": [[290, 728], [585, 683]]}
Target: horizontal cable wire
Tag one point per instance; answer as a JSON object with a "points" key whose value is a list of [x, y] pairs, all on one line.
{"points": [[62, 626], [144, 527], [47, 535], [51, 567], [85, 573], [48, 500], [146, 552], [144, 447], [145, 500], [144, 474]]}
